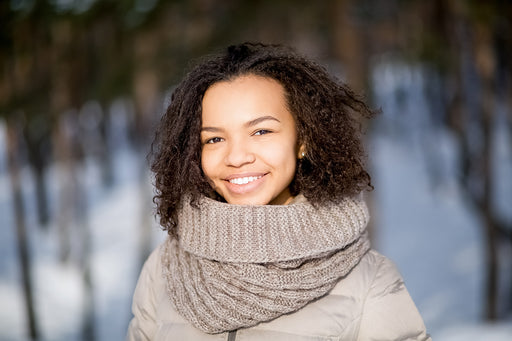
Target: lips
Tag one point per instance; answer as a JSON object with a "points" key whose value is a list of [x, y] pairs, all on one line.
{"points": [[244, 183], [244, 180]]}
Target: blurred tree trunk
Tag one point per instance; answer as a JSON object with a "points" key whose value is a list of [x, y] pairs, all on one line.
{"points": [[486, 70], [70, 79], [35, 141], [472, 118], [145, 96], [107, 170], [506, 46], [349, 44], [84, 262], [60, 102], [62, 145], [26, 70], [13, 132]]}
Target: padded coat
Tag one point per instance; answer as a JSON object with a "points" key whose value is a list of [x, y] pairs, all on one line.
{"points": [[370, 303]]}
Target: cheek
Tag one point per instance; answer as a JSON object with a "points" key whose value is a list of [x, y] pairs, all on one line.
{"points": [[207, 164], [284, 159]]}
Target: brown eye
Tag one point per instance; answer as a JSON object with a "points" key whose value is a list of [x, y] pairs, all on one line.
{"points": [[262, 132], [214, 140]]}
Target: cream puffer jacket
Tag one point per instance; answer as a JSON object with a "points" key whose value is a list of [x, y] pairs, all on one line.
{"points": [[370, 303]]}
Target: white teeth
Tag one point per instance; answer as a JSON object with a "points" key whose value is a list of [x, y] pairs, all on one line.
{"points": [[244, 180]]}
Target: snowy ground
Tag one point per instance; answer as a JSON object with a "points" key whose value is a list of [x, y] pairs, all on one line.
{"points": [[422, 225]]}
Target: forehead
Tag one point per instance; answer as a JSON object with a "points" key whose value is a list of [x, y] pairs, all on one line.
{"points": [[249, 83], [244, 97]]}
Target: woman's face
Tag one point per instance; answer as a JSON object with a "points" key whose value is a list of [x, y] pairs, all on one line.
{"points": [[249, 141]]}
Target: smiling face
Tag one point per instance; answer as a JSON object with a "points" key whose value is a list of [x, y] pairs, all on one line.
{"points": [[249, 141]]}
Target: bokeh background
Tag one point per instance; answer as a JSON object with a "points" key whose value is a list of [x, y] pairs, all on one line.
{"points": [[83, 83]]}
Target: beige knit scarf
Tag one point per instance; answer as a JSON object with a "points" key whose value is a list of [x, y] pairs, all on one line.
{"points": [[233, 266]]}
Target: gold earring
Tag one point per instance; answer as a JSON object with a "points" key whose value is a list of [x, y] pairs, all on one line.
{"points": [[302, 152]]}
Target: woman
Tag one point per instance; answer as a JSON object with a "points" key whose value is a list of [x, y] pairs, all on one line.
{"points": [[258, 171]]}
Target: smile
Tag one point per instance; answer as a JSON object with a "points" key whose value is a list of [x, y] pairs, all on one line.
{"points": [[244, 180]]}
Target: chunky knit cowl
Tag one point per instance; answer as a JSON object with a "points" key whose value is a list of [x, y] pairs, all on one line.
{"points": [[233, 266]]}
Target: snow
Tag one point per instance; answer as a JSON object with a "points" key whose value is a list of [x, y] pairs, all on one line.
{"points": [[422, 223], [479, 331], [433, 240]]}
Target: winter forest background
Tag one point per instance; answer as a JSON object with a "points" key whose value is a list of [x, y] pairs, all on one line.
{"points": [[83, 83]]}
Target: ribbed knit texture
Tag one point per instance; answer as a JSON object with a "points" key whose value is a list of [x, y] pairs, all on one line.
{"points": [[234, 266]]}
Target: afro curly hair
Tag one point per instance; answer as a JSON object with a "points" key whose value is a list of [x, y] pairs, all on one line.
{"points": [[327, 115]]}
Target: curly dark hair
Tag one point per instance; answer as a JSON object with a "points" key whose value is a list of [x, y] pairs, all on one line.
{"points": [[327, 114]]}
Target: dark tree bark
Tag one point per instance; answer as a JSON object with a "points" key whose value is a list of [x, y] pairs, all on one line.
{"points": [[21, 229], [36, 141]]}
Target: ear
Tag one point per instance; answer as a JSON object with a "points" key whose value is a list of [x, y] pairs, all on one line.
{"points": [[302, 152]]}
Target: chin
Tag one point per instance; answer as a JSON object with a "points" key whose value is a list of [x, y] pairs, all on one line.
{"points": [[247, 201]]}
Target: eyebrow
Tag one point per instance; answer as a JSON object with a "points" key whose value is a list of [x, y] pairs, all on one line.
{"points": [[248, 124], [261, 119]]}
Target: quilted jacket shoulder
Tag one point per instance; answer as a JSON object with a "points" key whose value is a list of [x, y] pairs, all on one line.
{"points": [[370, 303]]}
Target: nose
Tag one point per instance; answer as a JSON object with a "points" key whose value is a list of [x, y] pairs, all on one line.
{"points": [[239, 154]]}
